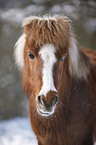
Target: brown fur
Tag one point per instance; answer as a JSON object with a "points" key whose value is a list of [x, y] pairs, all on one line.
{"points": [[74, 121]]}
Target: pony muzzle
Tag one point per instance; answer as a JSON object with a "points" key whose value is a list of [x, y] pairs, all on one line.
{"points": [[46, 105]]}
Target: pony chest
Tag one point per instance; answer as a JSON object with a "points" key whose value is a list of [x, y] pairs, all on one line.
{"points": [[78, 112]]}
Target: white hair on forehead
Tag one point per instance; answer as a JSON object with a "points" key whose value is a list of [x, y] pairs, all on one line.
{"points": [[47, 54], [19, 51], [29, 19]]}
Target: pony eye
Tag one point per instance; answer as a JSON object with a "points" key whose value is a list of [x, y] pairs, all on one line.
{"points": [[62, 59], [31, 55]]}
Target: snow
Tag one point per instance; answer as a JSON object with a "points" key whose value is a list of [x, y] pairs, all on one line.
{"points": [[17, 131]]}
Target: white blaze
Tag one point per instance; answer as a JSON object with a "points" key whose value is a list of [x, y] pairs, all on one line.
{"points": [[47, 54]]}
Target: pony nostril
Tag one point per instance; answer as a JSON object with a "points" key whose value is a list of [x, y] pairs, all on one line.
{"points": [[40, 101], [55, 100]]}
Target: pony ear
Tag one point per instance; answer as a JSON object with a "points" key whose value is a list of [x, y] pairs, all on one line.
{"points": [[19, 52]]}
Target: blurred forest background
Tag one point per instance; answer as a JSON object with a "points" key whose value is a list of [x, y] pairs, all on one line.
{"points": [[83, 15]]}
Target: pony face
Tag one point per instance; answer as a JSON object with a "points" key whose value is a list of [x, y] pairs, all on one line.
{"points": [[42, 52], [41, 66]]}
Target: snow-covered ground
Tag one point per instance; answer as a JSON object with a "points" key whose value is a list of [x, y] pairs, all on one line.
{"points": [[17, 131]]}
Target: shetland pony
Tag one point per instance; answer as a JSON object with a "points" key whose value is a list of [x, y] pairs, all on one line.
{"points": [[59, 78]]}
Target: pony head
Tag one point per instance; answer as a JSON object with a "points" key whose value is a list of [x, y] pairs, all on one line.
{"points": [[45, 54]]}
